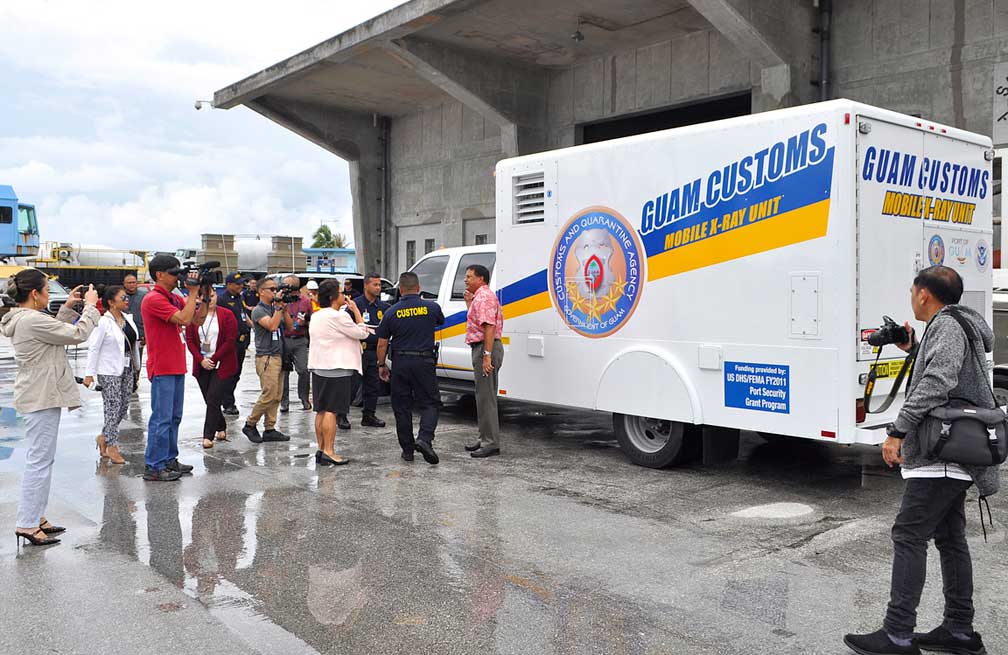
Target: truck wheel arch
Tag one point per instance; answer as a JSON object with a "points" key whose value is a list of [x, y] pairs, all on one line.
{"points": [[637, 380]]}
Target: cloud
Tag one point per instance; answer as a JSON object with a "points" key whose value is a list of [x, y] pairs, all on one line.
{"points": [[101, 135]]}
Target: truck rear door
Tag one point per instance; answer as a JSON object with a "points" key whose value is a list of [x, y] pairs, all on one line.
{"points": [[889, 228], [923, 199]]}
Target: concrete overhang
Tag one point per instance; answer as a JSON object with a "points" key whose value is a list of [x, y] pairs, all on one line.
{"points": [[363, 70]]}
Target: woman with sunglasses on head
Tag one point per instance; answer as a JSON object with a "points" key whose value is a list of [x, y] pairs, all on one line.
{"points": [[43, 386], [214, 362], [334, 355], [112, 355]]}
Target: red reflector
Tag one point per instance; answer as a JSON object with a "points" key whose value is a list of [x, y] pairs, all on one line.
{"points": [[944, 131], [502, 392], [920, 124], [828, 434], [931, 127], [846, 119], [859, 411]]}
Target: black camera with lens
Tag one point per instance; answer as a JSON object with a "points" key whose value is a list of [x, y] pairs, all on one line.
{"points": [[890, 332], [288, 293], [205, 277]]}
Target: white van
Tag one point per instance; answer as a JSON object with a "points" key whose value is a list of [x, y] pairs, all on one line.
{"points": [[729, 274]]}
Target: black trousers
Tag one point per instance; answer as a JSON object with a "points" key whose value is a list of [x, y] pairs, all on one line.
{"points": [[371, 381], [213, 389], [414, 382], [241, 347], [933, 508]]}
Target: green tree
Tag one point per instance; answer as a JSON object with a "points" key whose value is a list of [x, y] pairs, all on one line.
{"points": [[325, 238]]}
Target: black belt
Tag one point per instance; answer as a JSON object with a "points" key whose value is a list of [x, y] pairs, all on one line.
{"points": [[414, 353]]}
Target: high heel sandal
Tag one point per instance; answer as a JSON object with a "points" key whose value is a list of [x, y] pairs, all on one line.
{"points": [[325, 460], [34, 539], [114, 456], [49, 528], [100, 444]]}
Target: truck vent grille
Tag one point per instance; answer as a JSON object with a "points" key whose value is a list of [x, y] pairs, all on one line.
{"points": [[530, 198]]}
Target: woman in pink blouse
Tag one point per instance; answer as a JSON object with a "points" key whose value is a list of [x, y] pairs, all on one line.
{"points": [[333, 357]]}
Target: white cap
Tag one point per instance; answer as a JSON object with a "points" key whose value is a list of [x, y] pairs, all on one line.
{"points": [[312, 285]]}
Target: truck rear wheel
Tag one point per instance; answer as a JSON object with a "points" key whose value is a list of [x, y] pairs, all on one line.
{"points": [[654, 443]]}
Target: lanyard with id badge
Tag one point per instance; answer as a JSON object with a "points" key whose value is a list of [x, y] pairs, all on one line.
{"points": [[206, 347]]}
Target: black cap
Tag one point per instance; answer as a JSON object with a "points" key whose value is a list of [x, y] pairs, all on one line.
{"points": [[161, 263], [235, 277]]}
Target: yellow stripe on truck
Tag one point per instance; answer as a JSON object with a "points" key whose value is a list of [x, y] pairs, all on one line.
{"points": [[803, 224]]}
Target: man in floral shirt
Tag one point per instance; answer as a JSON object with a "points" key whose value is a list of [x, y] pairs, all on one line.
{"points": [[484, 324]]}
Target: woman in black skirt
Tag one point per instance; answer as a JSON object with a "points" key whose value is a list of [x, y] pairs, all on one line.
{"points": [[333, 357]]}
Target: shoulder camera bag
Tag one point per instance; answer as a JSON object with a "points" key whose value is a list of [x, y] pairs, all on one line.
{"points": [[962, 433]]}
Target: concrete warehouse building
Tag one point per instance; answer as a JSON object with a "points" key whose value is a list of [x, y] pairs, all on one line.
{"points": [[423, 100]]}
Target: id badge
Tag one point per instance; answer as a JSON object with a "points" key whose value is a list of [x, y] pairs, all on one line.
{"points": [[366, 316], [276, 335]]}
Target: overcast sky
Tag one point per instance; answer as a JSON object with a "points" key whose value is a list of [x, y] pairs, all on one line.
{"points": [[98, 130]]}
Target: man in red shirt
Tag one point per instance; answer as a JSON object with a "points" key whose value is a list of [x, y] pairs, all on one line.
{"points": [[484, 324], [164, 315]]}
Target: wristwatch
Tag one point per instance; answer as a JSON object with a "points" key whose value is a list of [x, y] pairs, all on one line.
{"points": [[891, 431], [487, 354], [382, 365]]}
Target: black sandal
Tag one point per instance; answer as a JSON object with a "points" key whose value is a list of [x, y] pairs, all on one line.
{"points": [[49, 528], [34, 539]]}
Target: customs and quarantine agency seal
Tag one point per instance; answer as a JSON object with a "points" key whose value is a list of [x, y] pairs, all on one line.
{"points": [[936, 251], [596, 272]]}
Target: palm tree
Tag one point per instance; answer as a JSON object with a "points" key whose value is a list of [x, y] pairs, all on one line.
{"points": [[324, 238]]}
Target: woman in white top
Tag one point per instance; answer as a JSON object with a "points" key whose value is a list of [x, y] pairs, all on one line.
{"points": [[334, 356], [112, 354]]}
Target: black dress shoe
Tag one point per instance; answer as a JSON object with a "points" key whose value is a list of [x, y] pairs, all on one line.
{"points": [[485, 452], [305, 405], [325, 460], [274, 435], [252, 432], [372, 421], [427, 450], [407, 456], [878, 643], [164, 475], [284, 409], [176, 465], [472, 446], [342, 423], [230, 411], [941, 640]]}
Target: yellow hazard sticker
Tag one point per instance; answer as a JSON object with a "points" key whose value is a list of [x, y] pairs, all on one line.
{"points": [[887, 369]]}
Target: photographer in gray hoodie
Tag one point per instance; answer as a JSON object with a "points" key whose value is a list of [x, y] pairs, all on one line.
{"points": [[934, 497]]}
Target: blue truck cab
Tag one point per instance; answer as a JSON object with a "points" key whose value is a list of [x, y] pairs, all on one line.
{"points": [[19, 235]]}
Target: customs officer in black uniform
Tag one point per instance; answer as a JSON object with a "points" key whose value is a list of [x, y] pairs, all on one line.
{"points": [[410, 325], [231, 297], [372, 309]]}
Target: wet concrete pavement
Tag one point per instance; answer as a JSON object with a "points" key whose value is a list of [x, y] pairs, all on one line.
{"points": [[561, 546]]}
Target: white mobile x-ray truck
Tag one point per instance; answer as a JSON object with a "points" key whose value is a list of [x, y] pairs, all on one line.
{"points": [[727, 274]]}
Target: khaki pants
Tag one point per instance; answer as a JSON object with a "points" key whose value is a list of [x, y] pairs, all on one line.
{"points": [[269, 368], [486, 394]]}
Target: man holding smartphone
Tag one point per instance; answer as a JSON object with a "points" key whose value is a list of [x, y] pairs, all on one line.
{"points": [[268, 319]]}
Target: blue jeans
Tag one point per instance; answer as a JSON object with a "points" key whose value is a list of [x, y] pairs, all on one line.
{"points": [[167, 394]]}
